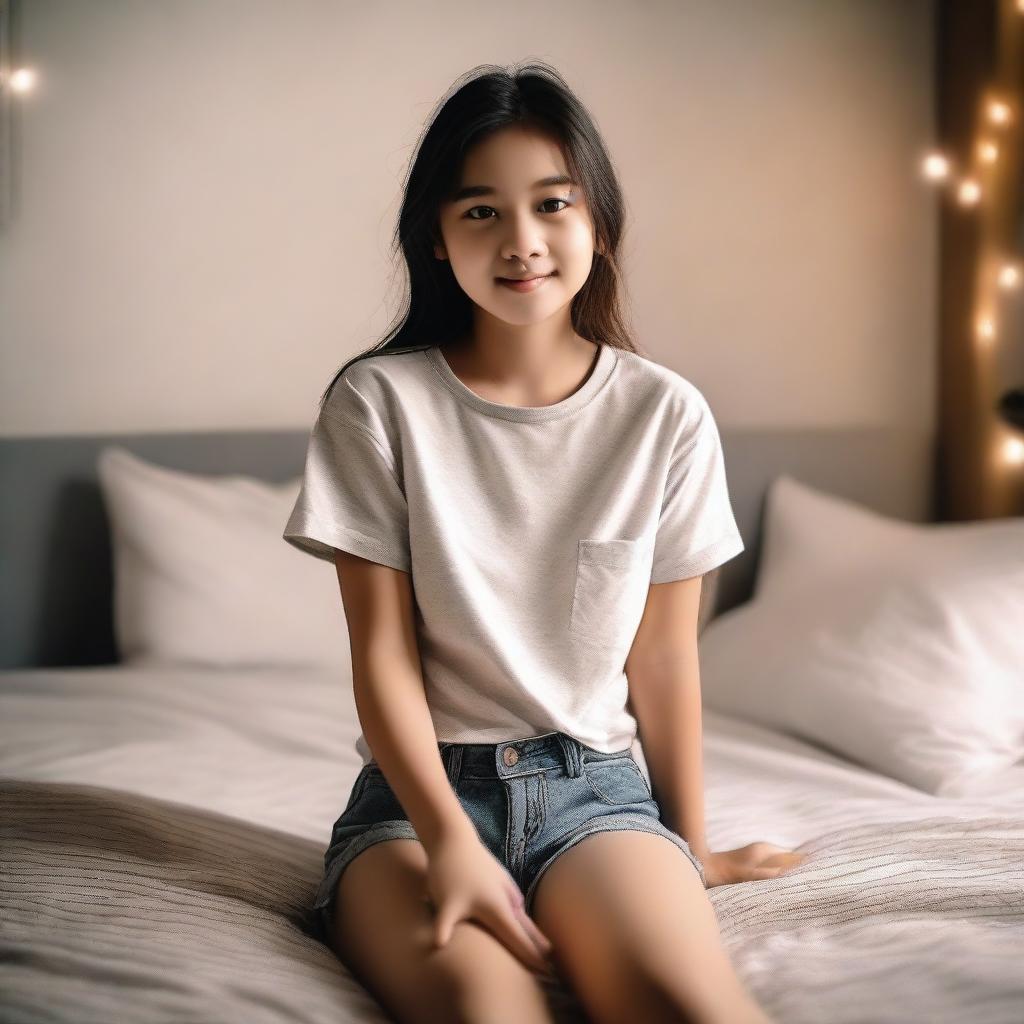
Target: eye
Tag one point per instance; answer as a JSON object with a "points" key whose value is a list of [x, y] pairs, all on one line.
{"points": [[554, 199], [557, 200]]}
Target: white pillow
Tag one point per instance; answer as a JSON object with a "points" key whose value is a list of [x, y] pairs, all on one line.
{"points": [[201, 576], [899, 646]]}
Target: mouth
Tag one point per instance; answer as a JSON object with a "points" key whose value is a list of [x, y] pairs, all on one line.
{"points": [[524, 284]]}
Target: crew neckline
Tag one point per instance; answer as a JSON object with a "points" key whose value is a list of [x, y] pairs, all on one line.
{"points": [[601, 369]]}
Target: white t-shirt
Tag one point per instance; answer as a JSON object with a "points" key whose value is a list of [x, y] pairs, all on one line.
{"points": [[531, 534]]}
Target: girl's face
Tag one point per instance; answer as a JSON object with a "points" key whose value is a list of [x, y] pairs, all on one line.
{"points": [[505, 215]]}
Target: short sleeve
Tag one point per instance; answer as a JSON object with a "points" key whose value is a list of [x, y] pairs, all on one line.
{"points": [[351, 498], [697, 530]]}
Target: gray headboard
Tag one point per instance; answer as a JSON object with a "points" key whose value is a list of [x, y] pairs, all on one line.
{"points": [[55, 562]]}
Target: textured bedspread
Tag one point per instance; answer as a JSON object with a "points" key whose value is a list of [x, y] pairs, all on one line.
{"points": [[162, 834]]}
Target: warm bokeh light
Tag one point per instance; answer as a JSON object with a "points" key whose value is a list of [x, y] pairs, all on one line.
{"points": [[988, 151], [998, 112], [1009, 276], [1013, 451], [969, 192], [935, 167], [986, 327], [22, 80]]}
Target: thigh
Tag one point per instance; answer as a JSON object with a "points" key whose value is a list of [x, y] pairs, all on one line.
{"points": [[633, 929], [383, 931]]}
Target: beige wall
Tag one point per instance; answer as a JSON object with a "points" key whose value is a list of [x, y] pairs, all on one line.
{"points": [[205, 193]]}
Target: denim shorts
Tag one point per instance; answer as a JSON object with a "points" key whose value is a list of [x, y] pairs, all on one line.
{"points": [[530, 800]]}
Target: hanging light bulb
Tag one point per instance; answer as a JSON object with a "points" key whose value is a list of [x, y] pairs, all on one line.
{"points": [[935, 167], [969, 192], [986, 328], [1009, 276], [988, 151]]}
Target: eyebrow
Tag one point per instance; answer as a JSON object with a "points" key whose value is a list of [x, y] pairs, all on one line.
{"points": [[469, 191]]}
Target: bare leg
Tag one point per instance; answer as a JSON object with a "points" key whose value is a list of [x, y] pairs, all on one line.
{"points": [[636, 936], [384, 934]]}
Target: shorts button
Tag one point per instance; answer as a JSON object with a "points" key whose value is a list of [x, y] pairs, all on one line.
{"points": [[511, 756]]}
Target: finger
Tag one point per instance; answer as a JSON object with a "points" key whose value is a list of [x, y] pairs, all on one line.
{"points": [[540, 948], [447, 917], [533, 950], [542, 942], [508, 928], [783, 861], [536, 936], [761, 851], [538, 960]]}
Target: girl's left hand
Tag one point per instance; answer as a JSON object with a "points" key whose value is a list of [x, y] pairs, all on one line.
{"points": [[751, 863]]}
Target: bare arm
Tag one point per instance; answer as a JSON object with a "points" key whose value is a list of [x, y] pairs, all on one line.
{"points": [[390, 698], [664, 692], [464, 879]]}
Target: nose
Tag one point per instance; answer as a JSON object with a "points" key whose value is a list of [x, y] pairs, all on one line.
{"points": [[524, 239]]}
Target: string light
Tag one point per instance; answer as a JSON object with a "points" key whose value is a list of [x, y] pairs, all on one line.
{"points": [[935, 166], [1009, 276], [986, 327], [22, 80], [1013, 451], [988, 151], [998, 112], [969, 192]]}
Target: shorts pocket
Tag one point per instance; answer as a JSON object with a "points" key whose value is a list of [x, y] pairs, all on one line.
{"points": [[617, 782], [610, 591], [370, 800], [357, 789]]}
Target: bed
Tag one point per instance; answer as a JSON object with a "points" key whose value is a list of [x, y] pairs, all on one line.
{"points": [[163, 816]]}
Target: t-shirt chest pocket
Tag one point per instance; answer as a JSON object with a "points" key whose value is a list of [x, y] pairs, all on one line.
{"points": [[610, 591]]}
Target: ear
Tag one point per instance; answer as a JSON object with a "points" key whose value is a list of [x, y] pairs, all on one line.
{"points": [[440, 252]]}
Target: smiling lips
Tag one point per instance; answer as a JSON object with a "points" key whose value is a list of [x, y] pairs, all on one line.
{"points": [[520, 284]]}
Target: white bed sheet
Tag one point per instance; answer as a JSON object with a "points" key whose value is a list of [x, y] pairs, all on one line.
{"points": [[908, 907]]}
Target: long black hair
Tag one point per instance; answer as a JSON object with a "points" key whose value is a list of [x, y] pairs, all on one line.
{"points": [[480, 102]]}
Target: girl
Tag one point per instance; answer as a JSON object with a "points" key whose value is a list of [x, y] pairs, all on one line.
{"points": [[520, 508]]}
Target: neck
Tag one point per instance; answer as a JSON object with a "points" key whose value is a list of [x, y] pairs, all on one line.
{"points": [[522, 366]]}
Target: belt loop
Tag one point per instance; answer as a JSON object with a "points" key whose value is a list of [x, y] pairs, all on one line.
{"points": [[573, 754], [453, 762], [578, 751]]}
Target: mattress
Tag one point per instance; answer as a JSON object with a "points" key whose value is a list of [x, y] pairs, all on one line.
{"points": [[163, 831]]}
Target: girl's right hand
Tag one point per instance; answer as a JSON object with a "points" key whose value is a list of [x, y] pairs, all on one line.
{"points": [[466, 881]]}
